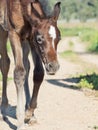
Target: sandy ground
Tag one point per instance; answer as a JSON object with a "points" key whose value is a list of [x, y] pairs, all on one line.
{"points": [[60, 107]]}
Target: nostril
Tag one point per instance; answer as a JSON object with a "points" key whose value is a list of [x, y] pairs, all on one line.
{"points": [[50, 65]]}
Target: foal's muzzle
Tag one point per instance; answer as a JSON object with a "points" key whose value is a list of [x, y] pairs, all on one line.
{"points": [[52, 67]]}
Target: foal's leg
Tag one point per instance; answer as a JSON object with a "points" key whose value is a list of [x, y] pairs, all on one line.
{"points": [[4, 66], [26, 62], [19, 75], [38, 78]]}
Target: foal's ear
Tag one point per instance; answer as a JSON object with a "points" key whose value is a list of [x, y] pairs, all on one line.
{"points": [[56, 11]]}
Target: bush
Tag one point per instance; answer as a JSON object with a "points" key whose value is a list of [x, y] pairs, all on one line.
{"points": [[88, 81], [94, 43]]}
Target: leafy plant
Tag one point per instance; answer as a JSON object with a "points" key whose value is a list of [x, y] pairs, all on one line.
{"points": [[94, 43], [88, 81], [85, 84]]}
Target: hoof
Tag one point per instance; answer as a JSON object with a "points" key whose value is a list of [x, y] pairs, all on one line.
{"points": [[31, 121], [28, 115]]}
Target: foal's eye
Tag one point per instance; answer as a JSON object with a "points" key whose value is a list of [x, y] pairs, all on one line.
{"points": [[40, 39]]}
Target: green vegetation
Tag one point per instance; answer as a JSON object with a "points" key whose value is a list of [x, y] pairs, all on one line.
{"points": [[95, 127], [86, 34], [83, 32], [91, 36], [69, 31], [74, 9], [93, 40], [88, 81]]}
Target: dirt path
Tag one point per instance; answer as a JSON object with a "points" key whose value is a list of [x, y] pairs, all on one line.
{"points": [[79, 48], [60, 107]]}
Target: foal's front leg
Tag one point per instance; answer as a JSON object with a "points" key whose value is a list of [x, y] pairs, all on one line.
{"points": [[4, 66], [19, 75], [37, 78]]}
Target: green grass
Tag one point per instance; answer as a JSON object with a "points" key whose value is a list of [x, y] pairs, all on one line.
{"points": [[88, 81], [93, 46], [91, 37]]}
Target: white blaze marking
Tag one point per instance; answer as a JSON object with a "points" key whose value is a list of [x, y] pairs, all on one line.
{"points": [[52, 33]]}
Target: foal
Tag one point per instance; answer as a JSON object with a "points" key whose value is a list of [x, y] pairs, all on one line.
{"points": [[43, 45], [43, 37]]}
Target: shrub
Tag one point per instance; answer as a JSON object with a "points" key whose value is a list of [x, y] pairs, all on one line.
{"points": [[88, 81]]}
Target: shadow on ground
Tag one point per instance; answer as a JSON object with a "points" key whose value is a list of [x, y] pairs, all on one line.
{"points": [[10, 112], [12, 126], [65, 83], [72, 82]]}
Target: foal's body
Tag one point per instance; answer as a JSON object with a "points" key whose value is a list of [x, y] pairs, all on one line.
{"points": [[24, 35]]}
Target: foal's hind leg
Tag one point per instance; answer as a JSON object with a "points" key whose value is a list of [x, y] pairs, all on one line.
{"points": [[38, 78], [4, 66]]}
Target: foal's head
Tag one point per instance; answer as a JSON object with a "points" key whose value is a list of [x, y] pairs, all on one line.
{"points": [[45, 36]]}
